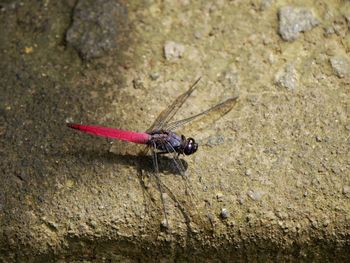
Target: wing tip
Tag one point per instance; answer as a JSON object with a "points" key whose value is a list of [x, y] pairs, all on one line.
{"points": [[194, 85], [232, 99]]}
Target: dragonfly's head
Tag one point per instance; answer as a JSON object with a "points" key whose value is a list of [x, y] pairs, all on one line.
{"points": [[190, 147]]}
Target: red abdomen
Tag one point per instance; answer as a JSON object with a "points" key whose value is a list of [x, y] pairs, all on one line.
{"points": [[136, 137]]}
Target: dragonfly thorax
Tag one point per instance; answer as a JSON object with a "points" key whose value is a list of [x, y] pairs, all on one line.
{"points": [[168, 142]]}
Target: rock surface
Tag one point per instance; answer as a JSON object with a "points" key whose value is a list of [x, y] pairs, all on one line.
{"points": [[278, 163]]}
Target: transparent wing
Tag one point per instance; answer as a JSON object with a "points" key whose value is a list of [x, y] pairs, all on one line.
{"points": [[159, 183], [163, 188], [213, 113], [193, 201], [166, 115]]}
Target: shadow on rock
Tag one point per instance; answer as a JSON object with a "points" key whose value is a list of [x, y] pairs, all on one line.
{"points": [[166, 164]]}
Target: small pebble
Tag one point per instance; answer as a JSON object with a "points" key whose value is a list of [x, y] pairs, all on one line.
{"points": [[256, 195], [341, 66], [138, 83], [198, 35], [224, 213], [248, 172], [154, 75], [318, 139], [287, 77], [93, 224], [326, 222], [219, 197], [173, 50], [229, 78], [164, 224], [53, 225], [241, 200]]}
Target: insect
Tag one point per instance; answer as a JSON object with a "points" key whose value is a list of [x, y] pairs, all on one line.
{"points": [[161, 137]]}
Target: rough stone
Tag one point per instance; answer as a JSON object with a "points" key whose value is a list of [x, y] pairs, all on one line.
{"points": [[287, 77], [340, 65], [96, 27], [293, 20]]}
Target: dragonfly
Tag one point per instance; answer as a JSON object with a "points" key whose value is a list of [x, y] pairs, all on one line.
{"points": [[161, 137]]}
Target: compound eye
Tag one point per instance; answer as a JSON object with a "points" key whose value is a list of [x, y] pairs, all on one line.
{"points": [[191, 146]]}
